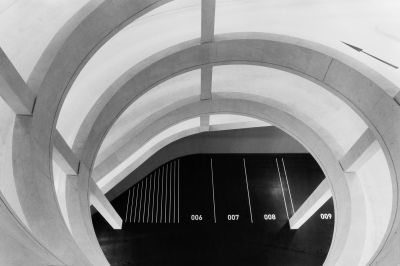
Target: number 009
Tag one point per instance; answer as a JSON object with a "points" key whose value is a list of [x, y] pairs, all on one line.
{"points": [[326, 216]]}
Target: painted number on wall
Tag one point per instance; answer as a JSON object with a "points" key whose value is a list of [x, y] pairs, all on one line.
{"points": [[270, 217], [233, 217], [326, 216], [196, 217]]}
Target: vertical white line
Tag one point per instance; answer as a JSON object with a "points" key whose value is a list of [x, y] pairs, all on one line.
{"points": [[133, 195], [287, 181], [154, 192], [158, 193], [162, 194], [178, 190], [166, 195], [248, 192], [135, 188], [170, 192], [145, 199], [174, 188], [283, 193], [148, 206], [127, 205], [140, 201], [213, 193]]}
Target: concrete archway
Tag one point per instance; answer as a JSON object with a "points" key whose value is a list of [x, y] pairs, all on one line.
{"points": [[358, 86]]}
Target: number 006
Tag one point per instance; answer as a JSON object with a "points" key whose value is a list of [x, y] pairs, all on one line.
{"points": [[196, 217]]}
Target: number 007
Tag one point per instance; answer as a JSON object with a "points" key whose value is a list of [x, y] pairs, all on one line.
{"points": [[233, 217]]}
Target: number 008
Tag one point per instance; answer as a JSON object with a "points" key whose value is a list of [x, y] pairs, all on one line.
{"points": [[270, 217]]}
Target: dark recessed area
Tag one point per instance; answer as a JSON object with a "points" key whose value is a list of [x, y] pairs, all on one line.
{"points": [[169, 219]]}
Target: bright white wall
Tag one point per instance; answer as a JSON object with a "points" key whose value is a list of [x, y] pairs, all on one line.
{"points": [[372, 25], [170, 24], [315, 106]]}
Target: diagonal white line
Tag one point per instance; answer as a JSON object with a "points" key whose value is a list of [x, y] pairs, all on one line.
{"points": [[133, 195], [213, 193], [158, 192], [127, 205], [248, 192], [287, 181], [283, 193]]}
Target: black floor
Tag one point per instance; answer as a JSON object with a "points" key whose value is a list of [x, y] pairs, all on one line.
{"points": [[220, 210]]}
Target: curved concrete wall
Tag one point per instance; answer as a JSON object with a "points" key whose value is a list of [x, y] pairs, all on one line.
{"points": [[253, 140], [365, 91]]}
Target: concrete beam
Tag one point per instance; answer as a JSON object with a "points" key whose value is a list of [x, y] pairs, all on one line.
{"points": [[63, 155], [312, 204], [239, 125], [364, 148], [13, 88], [204, 122], [103, 206], [397, 97], [207, 20], [206, 82]]}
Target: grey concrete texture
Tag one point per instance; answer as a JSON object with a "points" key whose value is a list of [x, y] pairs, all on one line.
{"points": [[363, 89]]}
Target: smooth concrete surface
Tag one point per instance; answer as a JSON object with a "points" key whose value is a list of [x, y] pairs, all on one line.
{"points": [[363, 89], [204, 122], [155, 124], [13, 88], [63, 155], [207, 20], [103, 206], [311, 205], [249, 140], [324, 79], [365, 147], [293, 126], [17, 245], [206, 82], [37, 196], [397, 98]]}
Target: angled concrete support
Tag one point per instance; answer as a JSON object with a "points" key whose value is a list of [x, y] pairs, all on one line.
{"points": [[397, 97], [63, 155], [103, 206], [315, 201], [364, 148], [13, 88]]}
